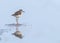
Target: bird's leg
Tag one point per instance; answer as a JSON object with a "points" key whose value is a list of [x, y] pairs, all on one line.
{"points": [[17, 20]]}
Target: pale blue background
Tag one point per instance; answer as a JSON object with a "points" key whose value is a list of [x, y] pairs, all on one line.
{"points": [[44, 15]]}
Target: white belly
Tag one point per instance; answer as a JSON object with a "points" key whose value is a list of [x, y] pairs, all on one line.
{"points": [[17, 16]]}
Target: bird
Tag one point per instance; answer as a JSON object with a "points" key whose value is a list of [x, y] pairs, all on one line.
{"points": [[18, 13]]}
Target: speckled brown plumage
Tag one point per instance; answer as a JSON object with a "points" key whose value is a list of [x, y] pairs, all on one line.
{"points": [[19, 12]]}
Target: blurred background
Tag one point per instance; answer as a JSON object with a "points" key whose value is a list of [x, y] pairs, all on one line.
{"points": [[41, 16]]}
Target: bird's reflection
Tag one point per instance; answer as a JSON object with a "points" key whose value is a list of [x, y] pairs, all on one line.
{"points": [[18, 33]]}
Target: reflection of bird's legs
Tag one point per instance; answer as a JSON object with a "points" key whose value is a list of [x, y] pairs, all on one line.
{"points": [[17, 28]]}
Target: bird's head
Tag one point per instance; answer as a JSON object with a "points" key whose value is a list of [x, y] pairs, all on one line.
{"points": [[21, 10]]}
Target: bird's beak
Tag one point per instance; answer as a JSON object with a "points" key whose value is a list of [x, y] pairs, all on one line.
{"points": [[23, 11]]}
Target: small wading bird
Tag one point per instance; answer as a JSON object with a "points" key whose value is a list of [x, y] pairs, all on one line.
{"points": [[17, 14]]}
